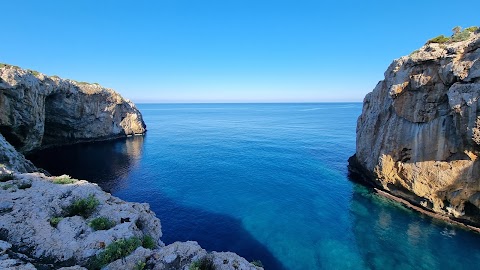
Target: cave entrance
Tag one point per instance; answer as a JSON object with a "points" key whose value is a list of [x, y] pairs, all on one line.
{"points": [[57, 126], [15, 137]]}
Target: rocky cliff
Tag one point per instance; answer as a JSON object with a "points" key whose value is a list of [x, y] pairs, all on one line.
{"points": [[40, 111], [418, 136]]}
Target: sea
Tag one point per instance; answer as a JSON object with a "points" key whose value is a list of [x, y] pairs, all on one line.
{"points": [[267, 181]]}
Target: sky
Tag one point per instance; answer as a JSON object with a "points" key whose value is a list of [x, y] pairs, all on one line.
{"points": [[224, 50]]}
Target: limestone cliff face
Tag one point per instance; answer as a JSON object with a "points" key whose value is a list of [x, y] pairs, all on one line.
{"points": [[418, 136], [40, 111]]}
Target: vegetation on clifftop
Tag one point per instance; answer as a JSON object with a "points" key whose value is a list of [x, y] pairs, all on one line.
{"points": [[458, 35]]}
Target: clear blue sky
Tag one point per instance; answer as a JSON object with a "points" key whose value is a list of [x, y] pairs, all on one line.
{"points": [[225, 50]]}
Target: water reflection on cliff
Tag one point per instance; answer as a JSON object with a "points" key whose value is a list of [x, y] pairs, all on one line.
{"points": [[106, 163], [384, 227]]}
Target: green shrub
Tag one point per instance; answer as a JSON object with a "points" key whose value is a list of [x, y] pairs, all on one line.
{"points": [[116, 250], [7, 65], [6, 177], [64, 179], [472, 29], [34, 72], [257, 263], [440, 39], [55, 220], [414, 52], [140, 265], [206, 263], [148, 242], [25, 185], [7, 186], [101, 223], [83, 207], [461, 36]]}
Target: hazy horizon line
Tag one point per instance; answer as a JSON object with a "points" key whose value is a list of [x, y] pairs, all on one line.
{"points": [[242, 102]]}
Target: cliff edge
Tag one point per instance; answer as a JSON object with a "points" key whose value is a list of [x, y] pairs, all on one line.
{"points": [[38, 111], [418, 136]]}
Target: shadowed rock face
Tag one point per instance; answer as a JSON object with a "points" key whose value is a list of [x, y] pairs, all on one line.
{"points": [[418, 136], [38, 111]]}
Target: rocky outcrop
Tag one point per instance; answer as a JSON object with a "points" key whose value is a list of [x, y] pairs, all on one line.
{"points": [[40, 111], [418, 136], [42, 225]]}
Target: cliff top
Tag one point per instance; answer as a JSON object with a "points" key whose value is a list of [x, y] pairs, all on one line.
{"points": [[11, 76], [441, 46]]}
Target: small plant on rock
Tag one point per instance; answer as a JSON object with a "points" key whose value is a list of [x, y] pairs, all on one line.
{"points": [[440, 39], [64, 179], [206, 263], [140, 265], [472, 29], [257, 263], [116, 250], [55, 220], [83, 207], [7, 186], [6, 177], [101, 223], [148, 242], [461, 36], [24, 185], [34, 72]]}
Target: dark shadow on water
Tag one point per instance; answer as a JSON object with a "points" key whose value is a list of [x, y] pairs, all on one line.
{"points": [[110, 163], [212, 231], [106, 163]]}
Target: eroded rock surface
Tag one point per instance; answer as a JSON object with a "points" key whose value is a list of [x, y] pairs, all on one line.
{"points": [[40, 111], [31, 201], [418, 136]]}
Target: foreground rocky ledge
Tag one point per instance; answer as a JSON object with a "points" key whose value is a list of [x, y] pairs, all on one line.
{"points": [[418, 134], [42, 224]]}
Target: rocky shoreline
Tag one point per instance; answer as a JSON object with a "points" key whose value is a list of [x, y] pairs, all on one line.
{"points": [[63, 223], [417, 136], [357, 174]]}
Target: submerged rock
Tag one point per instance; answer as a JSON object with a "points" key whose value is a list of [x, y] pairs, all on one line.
{"points": [[40, 111], [418, 136]]}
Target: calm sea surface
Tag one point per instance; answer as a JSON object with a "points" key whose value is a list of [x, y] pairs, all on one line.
{"points": [[268, 181]]}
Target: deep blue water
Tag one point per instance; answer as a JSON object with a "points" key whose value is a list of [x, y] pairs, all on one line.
{"points": [[268, 181]]}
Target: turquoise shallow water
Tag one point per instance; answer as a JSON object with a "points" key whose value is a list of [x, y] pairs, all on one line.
{"points": [[268, 181]]}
